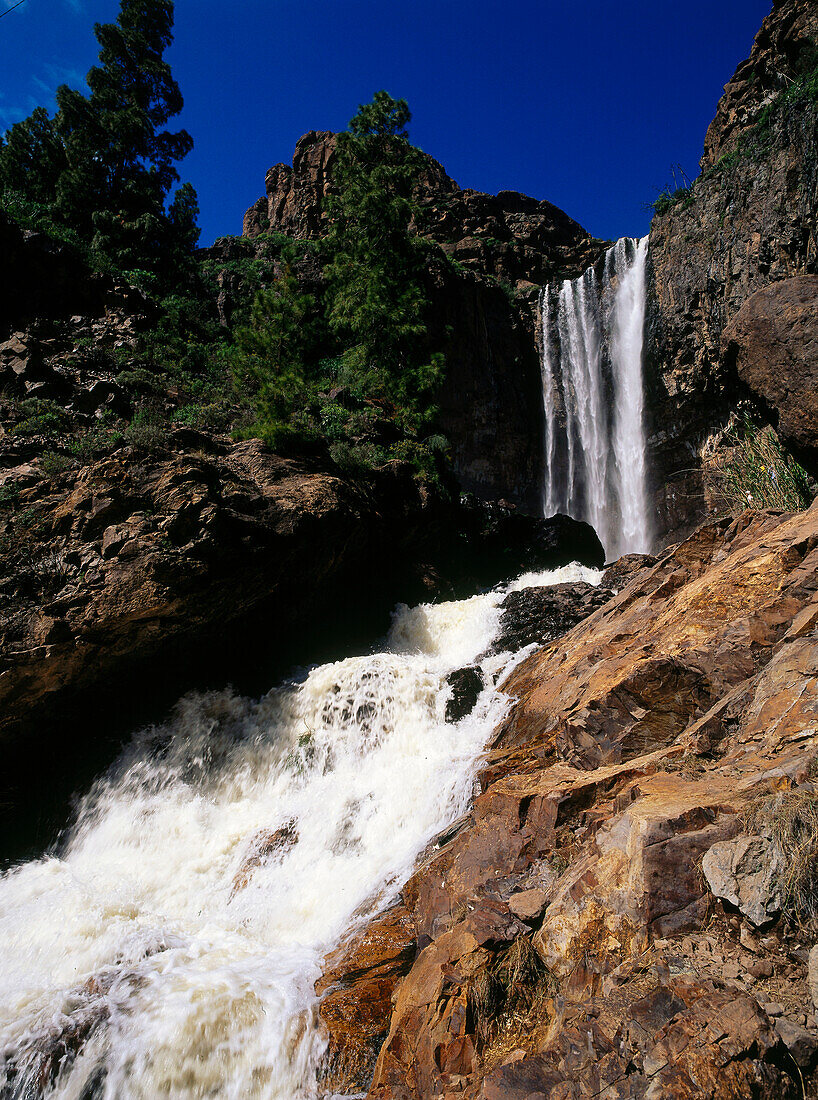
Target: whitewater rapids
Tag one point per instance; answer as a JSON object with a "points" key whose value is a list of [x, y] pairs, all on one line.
{"points": [[169, 941]]}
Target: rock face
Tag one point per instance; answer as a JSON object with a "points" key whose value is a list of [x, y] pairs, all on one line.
{"points": [[749, 221], [483, 305], [510, 236], [634, 745], [773, 342], [747, 872], [199, 560]]}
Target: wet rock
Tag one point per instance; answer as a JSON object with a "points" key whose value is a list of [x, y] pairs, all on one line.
{"points": [[505, 542], [359, 981], [747, 872], [539, 615], [266, 847], [466, 685]]}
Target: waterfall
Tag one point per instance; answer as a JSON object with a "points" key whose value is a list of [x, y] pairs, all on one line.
{"points": [[170, 949], [595, 449]]}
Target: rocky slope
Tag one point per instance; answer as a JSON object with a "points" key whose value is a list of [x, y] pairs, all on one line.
{"points": [[563, 940], [749, 221]]}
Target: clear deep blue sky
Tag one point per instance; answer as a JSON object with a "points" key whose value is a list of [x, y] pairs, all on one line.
{"points": [[587, 103]]}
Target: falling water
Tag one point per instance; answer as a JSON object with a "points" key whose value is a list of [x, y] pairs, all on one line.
{"points": [[171, 949], [595, 449]]}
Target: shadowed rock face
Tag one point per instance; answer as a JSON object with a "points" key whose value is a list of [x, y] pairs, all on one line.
{"points": [[634, 743], [491, 400], [773, 342], [749, 221]]}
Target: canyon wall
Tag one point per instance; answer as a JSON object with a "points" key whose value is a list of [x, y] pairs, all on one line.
{"points": [[496, 251], [747, 222]]}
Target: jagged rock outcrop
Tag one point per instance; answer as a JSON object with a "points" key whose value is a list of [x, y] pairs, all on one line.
{"points": [[501, 249], [783, 50], [636, 744], [751, 219], [509, 236]]}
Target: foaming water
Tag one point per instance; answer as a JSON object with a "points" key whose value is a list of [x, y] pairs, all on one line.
{"points": [[172, 949]]}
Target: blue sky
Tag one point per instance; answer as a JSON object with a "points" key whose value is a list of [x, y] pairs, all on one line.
{"points": [[587, 103]]}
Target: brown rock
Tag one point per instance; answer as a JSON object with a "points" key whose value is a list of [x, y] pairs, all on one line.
{"points": [[357, 987], [592, 776], [773, 341], [529, 905]]}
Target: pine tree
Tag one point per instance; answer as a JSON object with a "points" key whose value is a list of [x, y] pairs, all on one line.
{"points": [[275, 348], [378, 303], [105, 160]]}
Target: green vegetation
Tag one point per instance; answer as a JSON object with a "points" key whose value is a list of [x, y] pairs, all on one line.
{"points": [[678, 193], [98, 173], [316, 347], [755, 471], [350, 368]]}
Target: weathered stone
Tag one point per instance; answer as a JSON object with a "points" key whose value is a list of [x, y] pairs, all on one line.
{"points": [[773, 342], [799, 1042], [747, 872], [812, 974], [592, 776], [528, 905], [747, 222]]}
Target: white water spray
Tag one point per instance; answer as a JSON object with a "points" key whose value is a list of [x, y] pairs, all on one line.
{"points": [[172, 950], [595, 446]]}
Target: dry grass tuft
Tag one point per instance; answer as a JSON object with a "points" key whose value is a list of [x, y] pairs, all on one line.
{"points": [[511, 988], [790, 818]]}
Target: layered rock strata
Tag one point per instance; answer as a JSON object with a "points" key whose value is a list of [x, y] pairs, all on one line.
{"points": [[637, 743]]}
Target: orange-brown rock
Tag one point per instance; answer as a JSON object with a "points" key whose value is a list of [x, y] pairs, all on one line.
{"points": [[358, 983], [635, 743]]}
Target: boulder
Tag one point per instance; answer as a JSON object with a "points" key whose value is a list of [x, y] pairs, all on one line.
{"points": [[466, 685], [528, 905], [539, 615], [773, 342], [812, 975], [802, 1044], [747, 872]]}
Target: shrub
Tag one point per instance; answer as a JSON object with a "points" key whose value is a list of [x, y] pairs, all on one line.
{"points": [[52, 464], [41, 417], [147, 431], [755, 471]]}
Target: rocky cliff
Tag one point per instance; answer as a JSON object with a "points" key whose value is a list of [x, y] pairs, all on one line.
{"points": [[747, 222], [621, 913], [495, 252]]}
